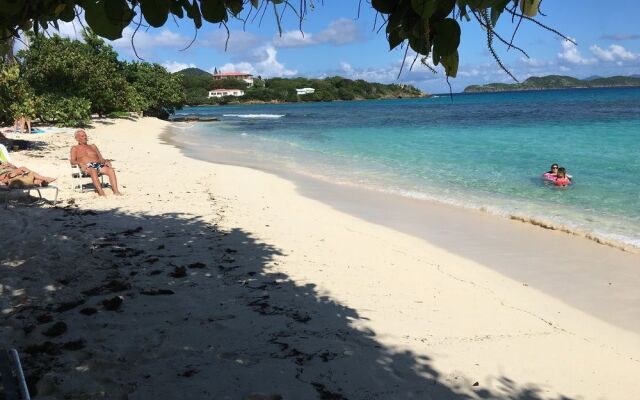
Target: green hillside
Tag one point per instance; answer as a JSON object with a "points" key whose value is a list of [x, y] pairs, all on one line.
{"points": [[555, 82], [197, 84]]}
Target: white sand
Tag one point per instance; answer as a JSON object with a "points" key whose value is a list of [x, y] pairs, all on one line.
{"points": [[296, 298]]}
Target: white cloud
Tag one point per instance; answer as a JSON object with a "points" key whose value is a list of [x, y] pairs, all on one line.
{"points": [[572, 55], [238, 41], [146, 41], [174, 66], [613, 53], [389, 73], [266, 64], [340, 31], [534, 62]]}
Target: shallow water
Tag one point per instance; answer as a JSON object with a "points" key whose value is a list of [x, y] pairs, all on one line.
{"points": [[481, 151]]}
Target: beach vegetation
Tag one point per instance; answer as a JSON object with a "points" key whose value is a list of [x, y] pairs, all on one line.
{"points": [[66, 111], [428, 29], [63, 81], [155, 91]]}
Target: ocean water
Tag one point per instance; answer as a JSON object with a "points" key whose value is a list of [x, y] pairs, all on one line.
{"points": [[480, 151]]}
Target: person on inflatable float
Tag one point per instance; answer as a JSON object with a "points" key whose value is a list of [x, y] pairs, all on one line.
{"points": [[552, 174], [562, 179]]}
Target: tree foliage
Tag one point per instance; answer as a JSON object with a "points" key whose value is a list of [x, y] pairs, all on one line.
{"points": [[64, 81], [65, 68], [284, 90], [156, 92], [428, 27]]}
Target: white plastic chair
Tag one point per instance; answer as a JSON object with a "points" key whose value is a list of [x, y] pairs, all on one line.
{"points": [[78, 178]]}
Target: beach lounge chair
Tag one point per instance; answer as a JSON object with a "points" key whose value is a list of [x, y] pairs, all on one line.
{"points": [[78, 179], [13, 383], [8, 190], [4, 154]]}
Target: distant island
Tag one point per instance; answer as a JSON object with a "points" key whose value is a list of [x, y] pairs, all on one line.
{"points": [[556, 82], [202, 87]]}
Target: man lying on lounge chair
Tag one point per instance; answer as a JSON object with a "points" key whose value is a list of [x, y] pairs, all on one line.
{"points": [[13, 176], [88, 158]]}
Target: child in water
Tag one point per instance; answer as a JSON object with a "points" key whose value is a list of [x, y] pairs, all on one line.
{"points": [[561, 178]]}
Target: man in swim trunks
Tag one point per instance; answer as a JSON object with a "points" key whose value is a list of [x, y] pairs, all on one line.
{"points": [[88, 158]]}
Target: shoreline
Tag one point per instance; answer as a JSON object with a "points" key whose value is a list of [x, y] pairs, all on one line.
{"points": [[599, 227], [459, 229], [236, 283]]}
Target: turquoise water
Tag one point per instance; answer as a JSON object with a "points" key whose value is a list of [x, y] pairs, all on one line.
{"points": [[481, 151]]}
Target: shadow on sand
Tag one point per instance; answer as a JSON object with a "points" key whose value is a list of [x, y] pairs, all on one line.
{"points": [[113, 305]]}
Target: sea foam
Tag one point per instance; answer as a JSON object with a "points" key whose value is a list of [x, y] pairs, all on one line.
{"points": [[266, 116]]}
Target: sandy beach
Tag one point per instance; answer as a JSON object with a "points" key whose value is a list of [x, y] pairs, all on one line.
{"points": [[214, 281]]}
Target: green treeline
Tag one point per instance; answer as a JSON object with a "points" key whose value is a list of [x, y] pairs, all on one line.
{"points": [[63, 81], [197, 84], [555, 82]]}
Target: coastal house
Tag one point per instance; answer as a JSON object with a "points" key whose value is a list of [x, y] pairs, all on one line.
{"points": [[226, 92], [306, 90], [241, 76]]}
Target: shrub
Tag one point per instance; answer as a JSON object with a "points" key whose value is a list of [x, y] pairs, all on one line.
{"points": [[64, 111]]}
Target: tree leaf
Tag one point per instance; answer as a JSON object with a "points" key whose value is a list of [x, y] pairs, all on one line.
{"points": [[435, 57], [443, 8], [395, 38], [384, 6], [96, 17], [450, 64], [235, 6], [213, 10], [424, 8], [176, 8], [446, 36], [155, 12], [419, 44], [118, 11], [496, 10], [196, 16], [67, 14], [481, 4], [529, 7]]}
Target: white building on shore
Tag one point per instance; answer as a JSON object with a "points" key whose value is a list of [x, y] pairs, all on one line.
{"points": [[306, 90], [226, 92], [241, 76]]}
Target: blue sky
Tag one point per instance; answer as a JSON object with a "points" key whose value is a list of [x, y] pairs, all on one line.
{"points": [[336, 42]]}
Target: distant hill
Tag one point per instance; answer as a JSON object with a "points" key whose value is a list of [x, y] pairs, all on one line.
{"points": [[197, 84], [193, 72], [556, 82]]}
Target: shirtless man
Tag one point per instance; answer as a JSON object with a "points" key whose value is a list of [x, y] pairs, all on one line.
{"points": [[88, 158]]}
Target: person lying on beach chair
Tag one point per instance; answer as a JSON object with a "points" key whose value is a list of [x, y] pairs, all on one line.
{"points": [[88, 158], [13, 176]]}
